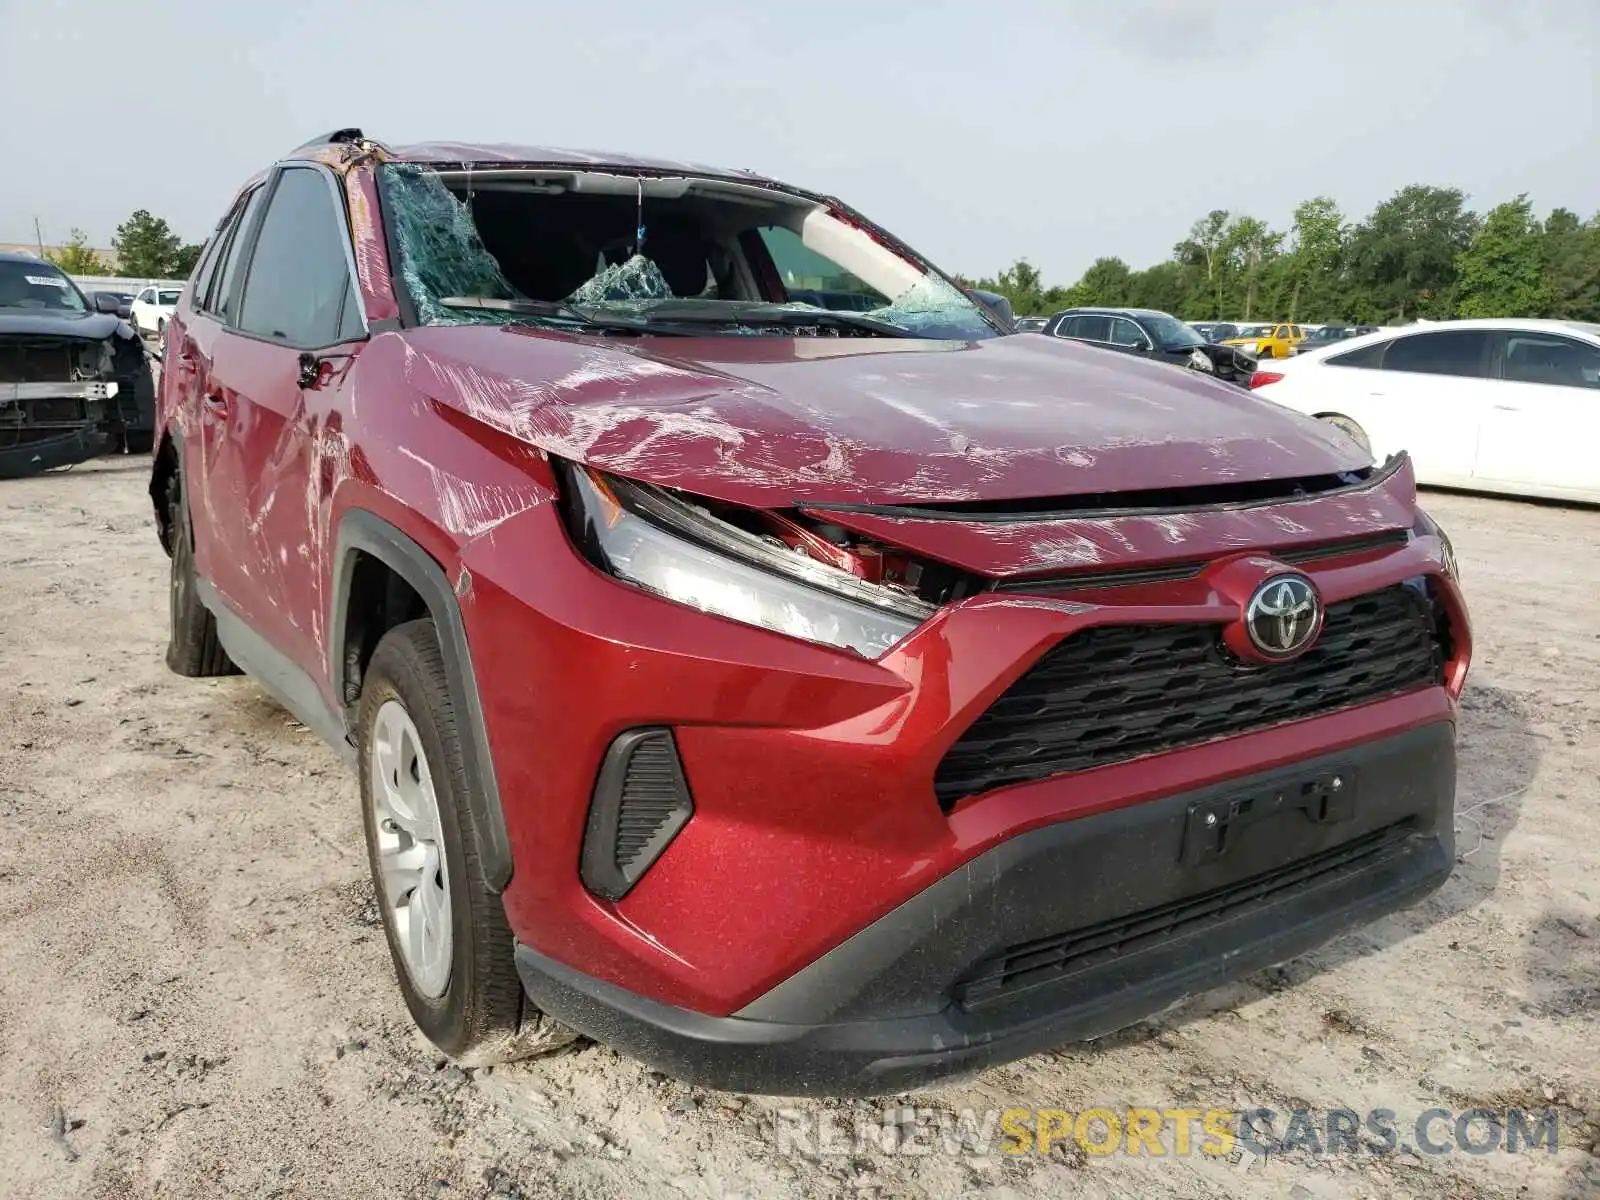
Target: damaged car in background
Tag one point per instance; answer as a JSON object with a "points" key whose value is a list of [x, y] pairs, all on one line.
{"points": [[74, 378], [1154, 335], [801, 698]]}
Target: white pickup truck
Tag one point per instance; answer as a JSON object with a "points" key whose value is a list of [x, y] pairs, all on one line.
{"points": [[151, 308]]}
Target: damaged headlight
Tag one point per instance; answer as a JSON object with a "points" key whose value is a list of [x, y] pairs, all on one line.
{"points": [[1426, 525], [662, 543]]}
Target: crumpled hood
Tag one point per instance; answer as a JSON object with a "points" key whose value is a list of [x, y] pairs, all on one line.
{"points": [[785, 421], [43, 323]]}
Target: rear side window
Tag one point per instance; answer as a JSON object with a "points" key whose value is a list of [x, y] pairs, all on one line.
{"points": [[213, 251], [219, 298], [1548, 358], [1088, 327], [1461, 352], [299, 286], [1367, 356]]}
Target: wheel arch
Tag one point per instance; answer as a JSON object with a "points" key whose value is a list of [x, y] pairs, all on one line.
{"points": [[365, 539], [164, 467]]}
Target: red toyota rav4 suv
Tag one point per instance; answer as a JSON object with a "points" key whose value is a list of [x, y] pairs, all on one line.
{"points": [[752, 657]]}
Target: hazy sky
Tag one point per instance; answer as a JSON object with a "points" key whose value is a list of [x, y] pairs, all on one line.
{"points": [[978, 131]]}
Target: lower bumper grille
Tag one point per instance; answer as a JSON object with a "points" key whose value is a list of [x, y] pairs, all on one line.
{"points": [[1031, 964], [1117, 692], [641, 801]]}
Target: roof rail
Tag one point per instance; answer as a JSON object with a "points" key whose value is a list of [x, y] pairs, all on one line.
{"points": [[335, 138]]}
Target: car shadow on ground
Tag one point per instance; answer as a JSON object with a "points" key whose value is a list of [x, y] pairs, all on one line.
{"points": [[108, 464]]}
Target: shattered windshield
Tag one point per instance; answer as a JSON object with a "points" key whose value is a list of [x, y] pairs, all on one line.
{"points": [[682, 255], [38, 286]]}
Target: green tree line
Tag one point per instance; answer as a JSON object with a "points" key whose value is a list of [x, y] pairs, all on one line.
{"points": [[1421, 253], [146, 249]]}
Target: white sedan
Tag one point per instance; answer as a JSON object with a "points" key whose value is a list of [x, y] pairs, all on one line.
{"points": [[152, 308], [1498, 405]]}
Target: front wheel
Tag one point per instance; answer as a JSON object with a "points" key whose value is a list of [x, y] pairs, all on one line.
{"points": [[447, 931]]}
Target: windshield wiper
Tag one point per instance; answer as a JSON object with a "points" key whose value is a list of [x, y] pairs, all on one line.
{"points": [[557, 309], [773, 314], [831, 318]]}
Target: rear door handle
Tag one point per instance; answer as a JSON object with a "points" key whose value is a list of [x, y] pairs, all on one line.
{"points": [[1507, 408], [216, 402]]}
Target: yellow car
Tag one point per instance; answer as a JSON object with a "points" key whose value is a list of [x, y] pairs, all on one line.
{"points": [[1268, 341]]}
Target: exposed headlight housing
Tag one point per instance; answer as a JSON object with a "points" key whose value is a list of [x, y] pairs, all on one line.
{"points": [[660, 541], [1447, 552]]}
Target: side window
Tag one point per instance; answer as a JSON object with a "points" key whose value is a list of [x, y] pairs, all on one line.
{"points": [[220, 300], [1546, 358], [812, 278], [1091, 327], [1296, 331], [1458, 352], [1126, 334], [146, 296], [299, 280], [213, 251], [351, 326], [1367, 356]]}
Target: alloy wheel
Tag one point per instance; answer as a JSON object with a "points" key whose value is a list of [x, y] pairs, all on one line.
{"points": [[411, 863]]}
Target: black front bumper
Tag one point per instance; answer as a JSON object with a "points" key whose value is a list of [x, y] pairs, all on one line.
{"points": [[61, 449], [1067, 932]]}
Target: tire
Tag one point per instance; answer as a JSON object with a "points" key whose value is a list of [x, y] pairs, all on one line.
{"points": [[139, 435], [466, 996], [1350, 429], [193, 649]]}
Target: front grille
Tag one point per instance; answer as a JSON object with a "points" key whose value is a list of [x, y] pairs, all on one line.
{"points": [[1030, 964], [1116, 692]]}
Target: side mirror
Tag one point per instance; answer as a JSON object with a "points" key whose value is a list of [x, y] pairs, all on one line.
{"points": [[995, 303], [107, 302]]}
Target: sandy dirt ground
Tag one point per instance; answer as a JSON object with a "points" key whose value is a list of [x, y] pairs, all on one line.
{"points": [[196, 1001]]}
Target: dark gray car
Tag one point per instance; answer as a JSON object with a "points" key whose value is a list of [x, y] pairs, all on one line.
{"points": [[1156, 335], [74, 378]]}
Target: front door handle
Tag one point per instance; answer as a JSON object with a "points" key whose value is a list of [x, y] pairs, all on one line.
{"points": [[1507, 408], [217, 403]]}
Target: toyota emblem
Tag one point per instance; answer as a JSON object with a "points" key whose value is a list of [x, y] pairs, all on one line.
{"points": [[1283, 617]]}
